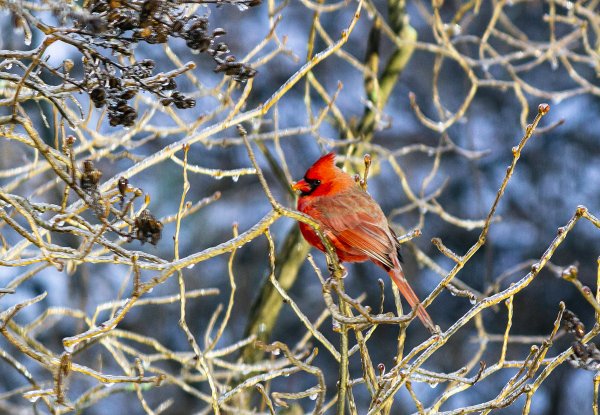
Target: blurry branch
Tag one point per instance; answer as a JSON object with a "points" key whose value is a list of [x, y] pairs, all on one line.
{"points": [[379, 90], [267, 305]]}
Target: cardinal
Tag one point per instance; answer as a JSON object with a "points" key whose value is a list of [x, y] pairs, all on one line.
{"points": [[353, 222]]}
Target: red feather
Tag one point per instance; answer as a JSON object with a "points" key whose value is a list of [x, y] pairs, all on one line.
{"points": [[353, 222]]}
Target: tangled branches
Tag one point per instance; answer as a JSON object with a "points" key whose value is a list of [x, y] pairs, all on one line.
{"points": [[89, 312], [118, 27]]}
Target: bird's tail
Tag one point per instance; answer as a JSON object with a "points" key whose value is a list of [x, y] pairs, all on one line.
{"points": [[407, 292]]}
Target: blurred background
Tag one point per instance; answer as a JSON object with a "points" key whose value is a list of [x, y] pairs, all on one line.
{"points": [[462, 167]]}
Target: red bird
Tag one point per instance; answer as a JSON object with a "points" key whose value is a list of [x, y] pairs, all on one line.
{"points": [[353, 222]]}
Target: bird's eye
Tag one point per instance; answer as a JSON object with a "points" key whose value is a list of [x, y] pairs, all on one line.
{"points": [[313, 182]]}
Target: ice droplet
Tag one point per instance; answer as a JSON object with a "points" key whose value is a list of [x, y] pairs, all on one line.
{"points": [[191, 266], [313, 397], [69, 348], [235, 178], [276, 352], [473, 300], [9, 66], [108, 384], [433, 385], [31, 396]]}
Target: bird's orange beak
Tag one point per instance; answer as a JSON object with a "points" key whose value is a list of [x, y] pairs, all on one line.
{"points": [[301, 186]]}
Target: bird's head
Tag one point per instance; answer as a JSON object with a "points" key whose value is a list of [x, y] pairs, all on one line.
{"points": [[323, 178]]}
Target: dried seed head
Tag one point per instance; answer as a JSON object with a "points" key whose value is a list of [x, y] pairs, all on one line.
{"points": [[169, 84], [90, 176], [148, 9], [98, 97], [572, 324], [123, 182], [147, 228]]}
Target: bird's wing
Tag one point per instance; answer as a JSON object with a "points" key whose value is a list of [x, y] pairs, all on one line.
{"points": [[358, 223]]}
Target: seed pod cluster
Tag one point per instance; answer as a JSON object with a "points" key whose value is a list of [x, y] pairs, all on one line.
{"points": [[585, 355], [114, 86], [127, 22], [147, 228], [572, 324], [118, 25]]}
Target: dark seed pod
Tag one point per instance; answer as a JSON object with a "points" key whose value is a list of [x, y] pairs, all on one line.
{"points": [[90, 176], [123, 183], [169, 85], [114, 82], [147, 228], [572, 324], [98, 97], [200, 23], [177, 26], [128, 94], [148, 9], [221, 48], [148, 63]]}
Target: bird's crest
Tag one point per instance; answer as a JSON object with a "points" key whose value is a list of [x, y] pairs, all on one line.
{"points": [[325, 178], [325, 163]]}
